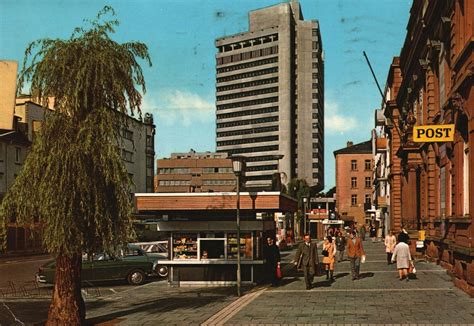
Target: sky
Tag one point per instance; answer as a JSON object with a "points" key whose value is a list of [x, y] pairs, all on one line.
{"points": [[180, 35]]}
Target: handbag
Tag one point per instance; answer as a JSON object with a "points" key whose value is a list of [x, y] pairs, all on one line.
{"points": [[325, 253], [278, 271], [412, 269]]}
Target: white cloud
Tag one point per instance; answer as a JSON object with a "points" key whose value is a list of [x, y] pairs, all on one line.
{"points": [[337, 122], [179, 107]]}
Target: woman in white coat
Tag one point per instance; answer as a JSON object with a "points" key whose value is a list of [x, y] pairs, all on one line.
{"points": [[390, 242], [402, 256]]}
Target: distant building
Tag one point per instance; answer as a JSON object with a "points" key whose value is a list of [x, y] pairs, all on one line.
{"points": [[195, 172], [354, 182], [270, 96], [21, 119]]}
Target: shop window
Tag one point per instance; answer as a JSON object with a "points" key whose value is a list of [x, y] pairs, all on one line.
{"points": [[246, 246], [185, 246], [212, 248]]}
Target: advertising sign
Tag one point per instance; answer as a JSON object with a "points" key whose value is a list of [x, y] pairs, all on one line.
{"points": [[433, 133]]}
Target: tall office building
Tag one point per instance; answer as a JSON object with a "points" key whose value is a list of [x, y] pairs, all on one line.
{"points": [[270, 96]]}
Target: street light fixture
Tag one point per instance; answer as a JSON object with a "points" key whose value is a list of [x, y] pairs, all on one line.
{"points": [[238, 165]]}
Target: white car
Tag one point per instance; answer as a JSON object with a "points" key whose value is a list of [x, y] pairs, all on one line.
{"points": [[156, 250]]}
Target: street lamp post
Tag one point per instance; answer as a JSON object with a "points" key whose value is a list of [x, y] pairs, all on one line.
{"points": [[304, 215], [238, 165]]}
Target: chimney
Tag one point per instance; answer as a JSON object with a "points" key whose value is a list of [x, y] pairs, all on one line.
{"points": [[349, 143]]}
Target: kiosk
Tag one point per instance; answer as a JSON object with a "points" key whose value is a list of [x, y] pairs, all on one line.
{"points": [[201, 231]]}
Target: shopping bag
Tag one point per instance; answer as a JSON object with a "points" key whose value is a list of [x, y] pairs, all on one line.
{"points": [[411, 268], [278, 272], [362, 259]]}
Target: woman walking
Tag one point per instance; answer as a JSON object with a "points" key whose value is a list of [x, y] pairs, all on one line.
{"points": [[373, 232], [401, 254], [329, 252], [390, 242]]}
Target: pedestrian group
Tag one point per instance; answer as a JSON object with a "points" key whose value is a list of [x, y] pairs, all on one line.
{"points": [[334, 246]]}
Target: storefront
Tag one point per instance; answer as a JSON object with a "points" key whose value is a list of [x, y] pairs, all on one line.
{"points": [[201, 230]]}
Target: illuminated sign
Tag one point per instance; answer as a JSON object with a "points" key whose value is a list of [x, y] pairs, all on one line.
{"points": [[433, 133]]}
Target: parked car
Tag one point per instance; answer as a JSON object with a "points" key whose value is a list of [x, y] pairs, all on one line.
{"points": [[132, 264], [156, 250]]}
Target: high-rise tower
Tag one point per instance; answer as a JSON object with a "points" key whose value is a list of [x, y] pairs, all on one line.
{"points": [[270, 96]]}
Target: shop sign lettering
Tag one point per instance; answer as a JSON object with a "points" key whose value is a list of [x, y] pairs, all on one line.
{"points": [[433, 133]]}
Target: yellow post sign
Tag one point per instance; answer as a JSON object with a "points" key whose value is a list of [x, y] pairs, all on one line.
{"points": [[433, 133]]}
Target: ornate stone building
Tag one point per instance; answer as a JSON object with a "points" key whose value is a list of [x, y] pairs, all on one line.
{"points": [[432, 183]]}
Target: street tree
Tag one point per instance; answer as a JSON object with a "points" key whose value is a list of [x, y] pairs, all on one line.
{"points": [[73, 179]]}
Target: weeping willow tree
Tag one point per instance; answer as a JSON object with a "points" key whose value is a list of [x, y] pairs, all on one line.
{"points": [[74, 179]]}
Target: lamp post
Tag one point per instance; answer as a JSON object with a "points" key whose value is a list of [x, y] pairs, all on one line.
{"points": [[238, 165], [304, 215]]}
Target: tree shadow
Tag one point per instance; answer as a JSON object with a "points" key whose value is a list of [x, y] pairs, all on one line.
{"points": [[175, 302]]}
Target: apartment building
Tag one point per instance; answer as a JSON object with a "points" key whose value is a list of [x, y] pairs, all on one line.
{"points": [[195, 172], [270, 96], [354, 182]]}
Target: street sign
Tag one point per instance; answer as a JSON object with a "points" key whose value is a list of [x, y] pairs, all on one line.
{"points": [[433, 133]]}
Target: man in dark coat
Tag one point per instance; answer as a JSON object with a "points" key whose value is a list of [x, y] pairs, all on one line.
{"points": [[272, 259], [306, 258]]}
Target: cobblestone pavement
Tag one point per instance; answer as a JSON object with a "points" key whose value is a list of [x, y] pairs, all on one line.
{"points": [[378, 298]]}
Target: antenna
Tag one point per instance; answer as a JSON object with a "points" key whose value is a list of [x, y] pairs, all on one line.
{"points": [[381, 93]]}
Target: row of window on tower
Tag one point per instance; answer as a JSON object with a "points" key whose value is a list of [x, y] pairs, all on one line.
{"points": [[249, 74], [245, 56]]}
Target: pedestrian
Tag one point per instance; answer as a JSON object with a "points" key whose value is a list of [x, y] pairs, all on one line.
{"points": [[355, 251], [390, 242], [373, 232], [329, 253], [307, 259], [362, 232], [272, 260], [340, 246], [401, 254]]}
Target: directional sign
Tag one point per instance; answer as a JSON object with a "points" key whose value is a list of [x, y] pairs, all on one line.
{"points": [[433, 133]]}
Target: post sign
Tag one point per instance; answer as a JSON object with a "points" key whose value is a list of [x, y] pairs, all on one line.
{"points": [[433, 133]]}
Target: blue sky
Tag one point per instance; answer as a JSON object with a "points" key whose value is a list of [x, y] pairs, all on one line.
{"points": [[180, 35]]}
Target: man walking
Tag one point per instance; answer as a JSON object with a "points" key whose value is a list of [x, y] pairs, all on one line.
{"points": [[306, 258], [355, 252], [340, 245], [272, 260]]}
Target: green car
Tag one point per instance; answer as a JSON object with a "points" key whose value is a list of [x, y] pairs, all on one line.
{"points": [[132, 265]]}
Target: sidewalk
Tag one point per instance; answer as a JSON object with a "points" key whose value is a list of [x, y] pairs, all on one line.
{"points": [[378, 298]]}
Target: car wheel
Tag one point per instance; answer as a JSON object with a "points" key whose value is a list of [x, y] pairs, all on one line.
{"points": [[162, 271], [136, 277]]}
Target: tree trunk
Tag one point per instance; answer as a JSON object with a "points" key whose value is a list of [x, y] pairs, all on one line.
{"points": [[67, 306]]}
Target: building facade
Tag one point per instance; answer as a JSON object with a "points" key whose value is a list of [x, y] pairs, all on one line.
{"points": [[195, 172], [354, 182], [21, 118], [270, 96], [435, 187]]}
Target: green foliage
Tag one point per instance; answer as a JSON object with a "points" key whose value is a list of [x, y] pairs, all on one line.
{"points": [[73, 178]]}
